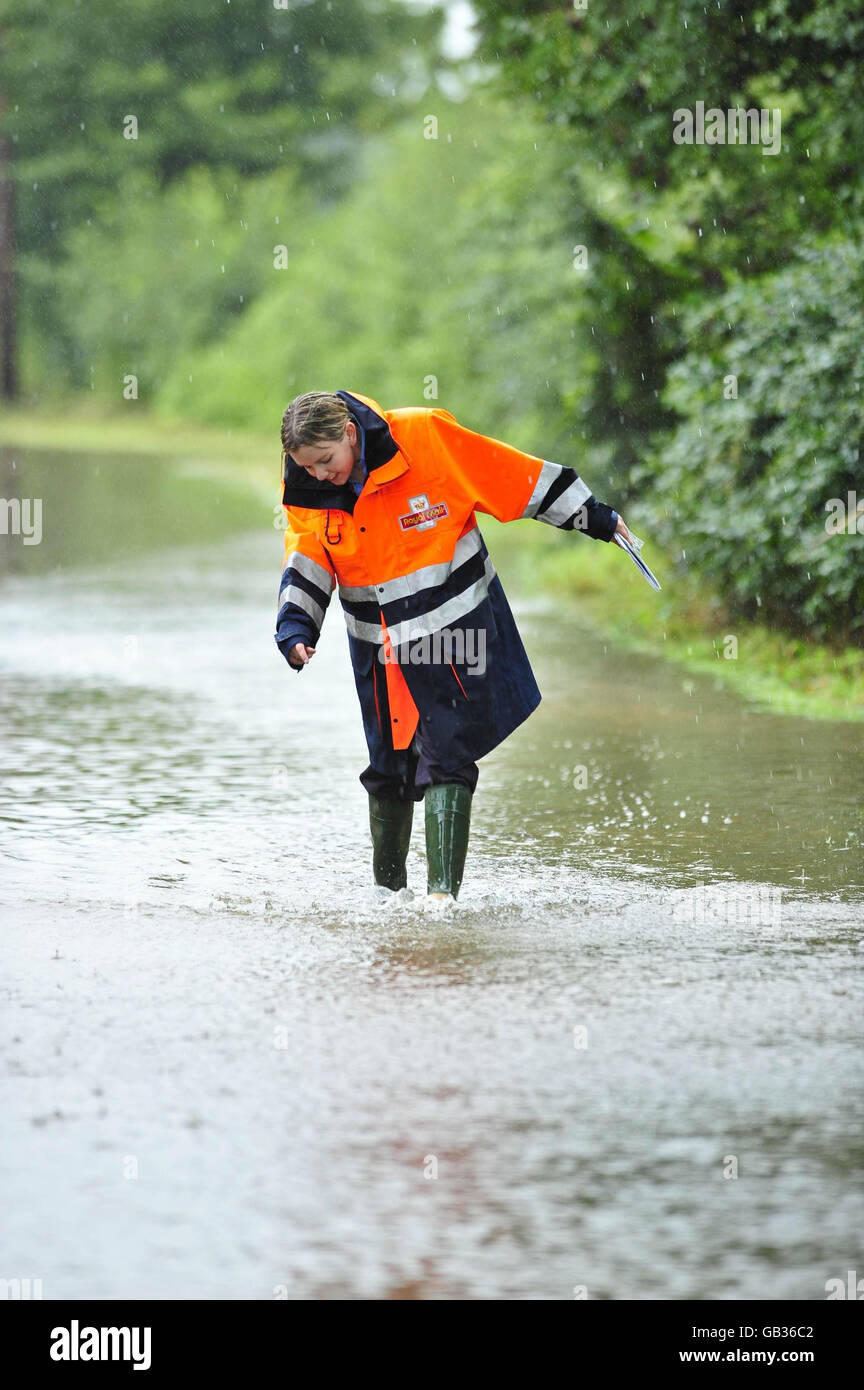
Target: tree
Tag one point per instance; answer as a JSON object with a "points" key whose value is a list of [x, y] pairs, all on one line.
{"points": [[92, 89], [673, 221]]}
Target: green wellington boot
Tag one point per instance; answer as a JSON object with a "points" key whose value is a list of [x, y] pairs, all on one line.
{"points": [[390, 823], [448, 817]]}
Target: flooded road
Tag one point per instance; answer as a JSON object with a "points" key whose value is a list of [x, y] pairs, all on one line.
{"points": [[628, 1068]]}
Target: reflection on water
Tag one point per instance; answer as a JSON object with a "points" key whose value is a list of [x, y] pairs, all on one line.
{"points": [[640, 762], [92, 508], [201, 976]]}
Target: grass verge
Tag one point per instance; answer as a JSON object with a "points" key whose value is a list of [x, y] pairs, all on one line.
{"points": [[685, 622]]}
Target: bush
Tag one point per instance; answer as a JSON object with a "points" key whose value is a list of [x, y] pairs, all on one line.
{"points": [[744, 484]]}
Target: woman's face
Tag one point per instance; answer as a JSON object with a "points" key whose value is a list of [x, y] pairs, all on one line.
{"points": [[332, 461]]}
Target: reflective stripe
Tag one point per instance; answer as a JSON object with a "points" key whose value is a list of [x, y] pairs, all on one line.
{"points": [[405, 585], [358, 593], [567, 504], [548, 473], [423, 624], [426, 623], [292, 593], [310, 569], [367, 632], [449, 612]]}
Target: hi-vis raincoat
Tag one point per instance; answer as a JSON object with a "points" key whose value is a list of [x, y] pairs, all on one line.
{"points": [[410, 562]]}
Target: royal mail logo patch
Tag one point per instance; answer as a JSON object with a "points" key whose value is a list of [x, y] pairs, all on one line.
{"points": [[422, 515]]}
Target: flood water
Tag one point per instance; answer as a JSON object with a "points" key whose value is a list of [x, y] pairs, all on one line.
{"points": [[630, 1063]]}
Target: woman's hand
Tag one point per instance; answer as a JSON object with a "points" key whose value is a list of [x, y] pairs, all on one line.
{"points": [[622, 530], [300, 654]]}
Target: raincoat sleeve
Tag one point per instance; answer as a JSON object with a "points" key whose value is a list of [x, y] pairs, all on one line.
{"points": [[509, 485], [305, 587]]}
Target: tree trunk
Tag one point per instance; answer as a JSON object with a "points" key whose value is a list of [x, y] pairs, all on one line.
{"points": [[8, 284]]}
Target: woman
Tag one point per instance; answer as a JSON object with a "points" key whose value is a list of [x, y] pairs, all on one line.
{"points": [[383, 502]]}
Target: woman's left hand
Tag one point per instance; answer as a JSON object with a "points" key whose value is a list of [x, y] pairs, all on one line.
{"points": [[622, 530]]}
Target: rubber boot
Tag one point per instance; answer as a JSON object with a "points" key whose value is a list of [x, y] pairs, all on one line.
{"points": [[390, 823], [448, 818]]}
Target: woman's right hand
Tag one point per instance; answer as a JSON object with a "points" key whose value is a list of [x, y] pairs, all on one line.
{"points": [[299, 654]]}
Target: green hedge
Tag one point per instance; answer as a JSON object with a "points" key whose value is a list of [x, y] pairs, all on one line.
{"points": [[743, 483]]}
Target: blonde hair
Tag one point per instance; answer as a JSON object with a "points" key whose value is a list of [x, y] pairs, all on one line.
{"points": [[318, 417]]}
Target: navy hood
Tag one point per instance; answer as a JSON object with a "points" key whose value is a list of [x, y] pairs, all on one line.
{"points": [[300, 489]]}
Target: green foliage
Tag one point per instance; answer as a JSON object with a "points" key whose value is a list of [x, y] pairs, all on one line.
{"points": [[672, 218], [242, 90], [682, 239], [743, 485], [614, 75], [159, 275], [450, 261], [229, 85]]}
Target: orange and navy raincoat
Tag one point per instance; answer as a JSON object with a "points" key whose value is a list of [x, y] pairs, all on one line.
{"points": [[410, 562]]}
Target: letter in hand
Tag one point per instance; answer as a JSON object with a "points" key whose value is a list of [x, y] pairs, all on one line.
{"points": [[299, 654], [626, 540]]}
